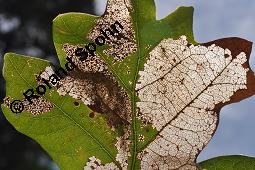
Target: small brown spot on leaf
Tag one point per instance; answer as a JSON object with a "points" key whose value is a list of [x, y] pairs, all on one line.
{"points": [[76, 103], [92, 114]]}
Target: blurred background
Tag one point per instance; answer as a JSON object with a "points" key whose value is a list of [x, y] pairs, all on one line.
{"points": [[25, 28]]}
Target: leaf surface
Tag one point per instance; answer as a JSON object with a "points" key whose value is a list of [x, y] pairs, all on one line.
{"points": [[66, 131], [229, 163], [148, 99]]}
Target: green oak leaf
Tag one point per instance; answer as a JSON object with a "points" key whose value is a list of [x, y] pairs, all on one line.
{"points": [[67, 132], [229, 163], [103, 115]]}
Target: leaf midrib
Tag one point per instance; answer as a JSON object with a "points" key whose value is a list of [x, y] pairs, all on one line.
{"points": [[177, 115], [133, 100]]}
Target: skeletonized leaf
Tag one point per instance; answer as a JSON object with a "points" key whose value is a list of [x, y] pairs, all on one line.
{"points": [[148, 99], [181, 90]]}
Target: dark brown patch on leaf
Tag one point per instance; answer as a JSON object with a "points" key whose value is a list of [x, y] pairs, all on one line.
{"points": [[93, 84], [108, 97]]}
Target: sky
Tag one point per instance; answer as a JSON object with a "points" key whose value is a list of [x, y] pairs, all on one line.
{"points": [[213, 20]]}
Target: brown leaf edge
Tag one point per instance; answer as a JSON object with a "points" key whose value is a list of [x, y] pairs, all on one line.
{"points": [[236, 46]]}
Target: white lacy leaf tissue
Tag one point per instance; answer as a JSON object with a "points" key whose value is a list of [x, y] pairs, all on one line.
{"points": [[178, 90]]}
